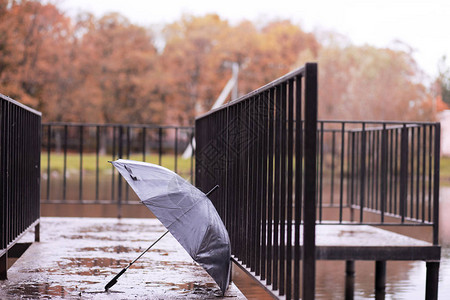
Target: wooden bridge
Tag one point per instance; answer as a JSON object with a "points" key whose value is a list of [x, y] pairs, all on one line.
{"points": [[294, 189]]}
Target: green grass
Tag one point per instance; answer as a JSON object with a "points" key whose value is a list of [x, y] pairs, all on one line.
{"points": [[445, 171], [90, 162], [167, 160]]}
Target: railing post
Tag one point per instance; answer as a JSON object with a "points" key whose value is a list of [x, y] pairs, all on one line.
{"points": [[384, 175], [403, 171], [437, 154], [309, 213], [119, 178], [363, 172]]}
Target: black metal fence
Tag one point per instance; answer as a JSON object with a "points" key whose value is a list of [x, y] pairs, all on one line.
{"points": [[261, 150], [75, 167], [389, 169], [20, 134], [282, 172]]}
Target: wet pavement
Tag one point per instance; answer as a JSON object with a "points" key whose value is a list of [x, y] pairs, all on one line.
{"points": [[77, 257]]}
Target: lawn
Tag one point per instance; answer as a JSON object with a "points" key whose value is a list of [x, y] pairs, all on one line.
{"points": [[167, 160], [445, 171], [89, 162]]}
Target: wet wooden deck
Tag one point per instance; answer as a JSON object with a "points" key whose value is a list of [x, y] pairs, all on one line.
{"points": [[76, 257]]}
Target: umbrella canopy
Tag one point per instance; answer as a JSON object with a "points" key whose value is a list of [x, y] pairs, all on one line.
{"points": [[186, 212]]}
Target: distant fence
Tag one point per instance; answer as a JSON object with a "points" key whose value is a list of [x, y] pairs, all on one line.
{"points": [[389, 169], [75, 157], [20, 134], [261, 150]]}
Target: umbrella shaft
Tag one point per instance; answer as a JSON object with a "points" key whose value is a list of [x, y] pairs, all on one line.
{"points": [[148, 248], [207, 194]]}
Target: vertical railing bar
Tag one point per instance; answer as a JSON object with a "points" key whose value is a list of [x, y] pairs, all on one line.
{"points": [[363, 172], [403, 172], [391, 168], [333, 154], [128, 137], [377, 170], [191, 138], [424, 170], [397, 174], [298, 183], [48, 160], [411, 199], [283, 182], [309, 223], [176, 150], [430, 182], [97, 152], [258, 182], [241, 225], [352, 176], [160, 137], [349, 167], [266, 104], [369, 170], [80, 194], [289, 189], [250, 196], [113, 153], [119, 179], [436, 162], [144, 143], [357, 168], [384, 175], [321, 172], [341, 188], [372, 171], [65, 162], [277, 177], [270, 189], [418, 174]]}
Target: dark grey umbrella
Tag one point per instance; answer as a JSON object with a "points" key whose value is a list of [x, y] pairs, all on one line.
{"points": [[186, 212]]}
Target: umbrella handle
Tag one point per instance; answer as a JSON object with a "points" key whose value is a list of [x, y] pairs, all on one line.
{"points": [[114, 280]]}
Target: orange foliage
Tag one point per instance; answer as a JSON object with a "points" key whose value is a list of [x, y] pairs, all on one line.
{"points": [[107, 69]]}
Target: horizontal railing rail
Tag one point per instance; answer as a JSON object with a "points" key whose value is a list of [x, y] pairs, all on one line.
{"points": [[75, 167], [20, 134]]}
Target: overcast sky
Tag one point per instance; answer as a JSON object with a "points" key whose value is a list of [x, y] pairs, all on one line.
{"points": [[422, 24]]}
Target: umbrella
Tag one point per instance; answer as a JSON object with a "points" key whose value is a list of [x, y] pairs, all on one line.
{"points": [[186, 212]]}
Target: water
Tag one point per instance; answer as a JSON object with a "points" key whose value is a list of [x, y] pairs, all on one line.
{"points": [[404, 280]]}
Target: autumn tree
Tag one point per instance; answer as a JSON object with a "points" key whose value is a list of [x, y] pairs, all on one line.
{"points": [[369, 83], [33, 61], [198, 49], [117, 72], [443, 80]]}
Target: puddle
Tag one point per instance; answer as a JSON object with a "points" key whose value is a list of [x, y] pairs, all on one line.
{"points": [[41, 291], [197, 288], [114, 249]]}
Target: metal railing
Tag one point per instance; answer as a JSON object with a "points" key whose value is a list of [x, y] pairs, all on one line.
{"points": [[261, 150], [282, 171], [389, 169], [75, 167], [20, 134]]}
